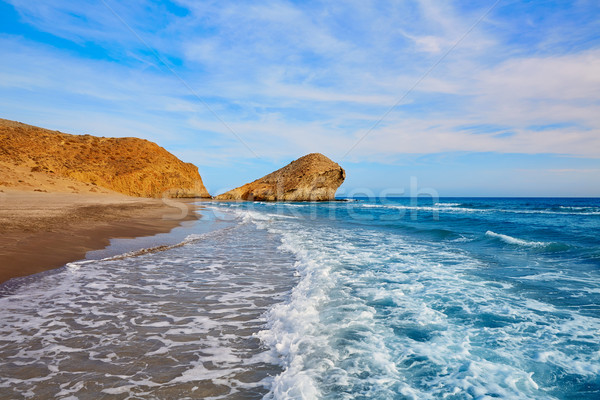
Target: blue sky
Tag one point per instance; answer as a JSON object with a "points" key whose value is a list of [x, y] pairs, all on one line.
{"points": [[492, 99]]}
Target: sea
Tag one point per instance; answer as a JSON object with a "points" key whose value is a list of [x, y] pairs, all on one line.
{"points": [[395, 298]]}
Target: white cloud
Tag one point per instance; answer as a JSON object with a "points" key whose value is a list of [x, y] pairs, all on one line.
{"points": [[431, 44], [289, 78], [560, 78]]}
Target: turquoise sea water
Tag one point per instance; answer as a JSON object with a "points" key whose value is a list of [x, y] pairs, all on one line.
{"points": [[462, 298]]}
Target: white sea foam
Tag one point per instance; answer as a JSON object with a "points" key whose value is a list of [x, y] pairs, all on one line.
{"points": [[515, 241], [585, 209], [372, 312], [455, 208], [159, 321], [438, 207], [548, 212]]}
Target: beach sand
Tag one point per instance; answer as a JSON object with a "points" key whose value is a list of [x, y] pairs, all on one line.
{"points": [[40, 231]]}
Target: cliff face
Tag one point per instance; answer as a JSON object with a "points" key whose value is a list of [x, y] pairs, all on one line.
{"points": [[313, 177], [131, 166]]}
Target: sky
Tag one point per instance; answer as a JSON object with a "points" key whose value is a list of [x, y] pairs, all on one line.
{"points": [[466, 98]]}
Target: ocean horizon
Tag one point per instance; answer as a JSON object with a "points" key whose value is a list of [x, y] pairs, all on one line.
{"points": [[381, 298]]}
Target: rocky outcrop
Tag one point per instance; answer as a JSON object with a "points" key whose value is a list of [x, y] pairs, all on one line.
{"points": [[313, 177], [131, 166]]}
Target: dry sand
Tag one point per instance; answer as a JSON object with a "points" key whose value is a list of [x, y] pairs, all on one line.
{"points": [[40, 231]]}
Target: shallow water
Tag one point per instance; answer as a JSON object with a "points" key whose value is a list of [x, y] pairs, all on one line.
{"points": [[174, 324], [464, 299]]}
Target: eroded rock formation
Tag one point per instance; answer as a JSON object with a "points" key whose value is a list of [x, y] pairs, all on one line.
{"points": [[131, 166], [313, 177]]}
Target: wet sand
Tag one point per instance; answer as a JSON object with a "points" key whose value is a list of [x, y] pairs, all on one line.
{"points": [[41, 231]]}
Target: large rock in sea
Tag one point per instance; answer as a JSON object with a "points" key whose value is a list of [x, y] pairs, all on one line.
{"points": [[313, 177], [135, 167]]}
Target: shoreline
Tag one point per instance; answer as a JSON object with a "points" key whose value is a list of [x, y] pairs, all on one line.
{"points": [[44, 231]]}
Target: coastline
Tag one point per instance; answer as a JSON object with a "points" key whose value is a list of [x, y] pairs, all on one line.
{"points": [[42, 231]]}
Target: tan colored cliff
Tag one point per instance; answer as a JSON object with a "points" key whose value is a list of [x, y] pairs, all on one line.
{"points": [[42, 160], [313, 177]]}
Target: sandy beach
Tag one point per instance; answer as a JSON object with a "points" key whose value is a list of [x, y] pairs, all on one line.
{"points": [[40, 231]]}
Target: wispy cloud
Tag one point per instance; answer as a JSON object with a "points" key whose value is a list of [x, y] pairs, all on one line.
{"points": [[294, 77]]}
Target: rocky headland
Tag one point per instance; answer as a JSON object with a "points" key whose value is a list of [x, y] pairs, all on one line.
{"points": [[51, 161], [62, 195], [313, 177]]}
